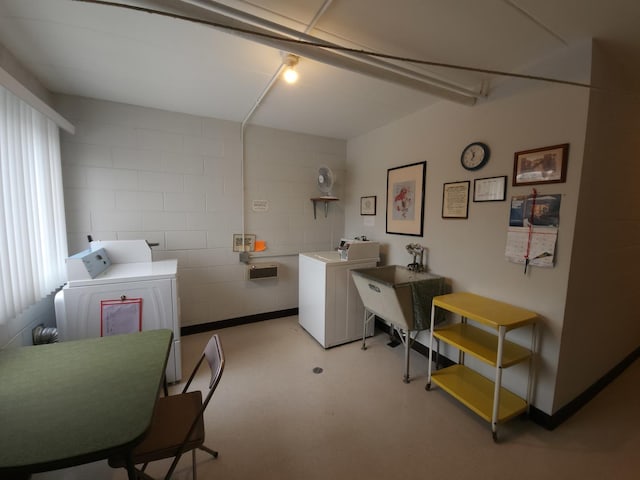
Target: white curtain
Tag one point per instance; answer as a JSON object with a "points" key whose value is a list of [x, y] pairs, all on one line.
{"points": [[33, 241]]}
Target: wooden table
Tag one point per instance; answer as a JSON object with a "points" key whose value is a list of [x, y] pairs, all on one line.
{"points": [[70, 403]]}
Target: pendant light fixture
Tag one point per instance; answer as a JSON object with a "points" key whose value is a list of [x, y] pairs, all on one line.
{"points": [[290, 60]]}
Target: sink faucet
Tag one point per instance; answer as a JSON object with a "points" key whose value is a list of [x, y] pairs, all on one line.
{"points": [[416, 250]]}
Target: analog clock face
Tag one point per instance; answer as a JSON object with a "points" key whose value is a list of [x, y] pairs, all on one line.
{"points": [[474, 156]]}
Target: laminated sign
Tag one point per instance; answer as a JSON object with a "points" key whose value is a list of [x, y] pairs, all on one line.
{"points": [[120, 316]]}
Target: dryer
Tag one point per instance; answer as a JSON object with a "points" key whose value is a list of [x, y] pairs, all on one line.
{"points": [[116, 287]]}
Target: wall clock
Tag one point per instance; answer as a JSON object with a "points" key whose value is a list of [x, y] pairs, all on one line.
{"points": [[475, 156]]}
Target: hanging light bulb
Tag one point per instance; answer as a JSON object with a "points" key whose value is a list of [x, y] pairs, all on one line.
{"points": [[290, 75], [290, 60]]}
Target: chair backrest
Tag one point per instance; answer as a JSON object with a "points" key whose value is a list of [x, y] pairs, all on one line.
{"points": [[214, 357]]}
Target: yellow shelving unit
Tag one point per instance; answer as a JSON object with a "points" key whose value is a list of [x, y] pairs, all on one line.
{"points": [[485, 397]]}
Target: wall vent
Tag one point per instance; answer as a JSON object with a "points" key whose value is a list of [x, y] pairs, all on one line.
{"points": [[260, 271]]}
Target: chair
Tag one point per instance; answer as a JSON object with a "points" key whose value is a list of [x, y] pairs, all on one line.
{"points": [[177, 425]]}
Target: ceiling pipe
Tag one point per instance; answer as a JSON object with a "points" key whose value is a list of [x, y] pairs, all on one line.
{"points": [[241, 16], [278, 36]]}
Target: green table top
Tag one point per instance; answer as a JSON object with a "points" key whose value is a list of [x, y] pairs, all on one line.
{"points": [[76, 402]]}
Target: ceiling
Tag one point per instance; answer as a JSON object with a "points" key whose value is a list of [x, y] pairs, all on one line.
{"points": [[159, 61]]}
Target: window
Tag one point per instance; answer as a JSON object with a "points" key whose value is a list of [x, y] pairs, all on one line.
{"points": [[33, 243]]}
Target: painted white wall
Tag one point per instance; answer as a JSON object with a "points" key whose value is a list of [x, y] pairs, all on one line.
{"points": [[470, 252], [601, 319], [177, 180]]}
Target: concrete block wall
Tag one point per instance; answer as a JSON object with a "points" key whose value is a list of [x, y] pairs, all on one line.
{"points": [[179, 180]]}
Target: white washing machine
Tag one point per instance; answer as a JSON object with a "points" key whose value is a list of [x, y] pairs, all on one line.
{"points": [[329, 306], [115, 287]]}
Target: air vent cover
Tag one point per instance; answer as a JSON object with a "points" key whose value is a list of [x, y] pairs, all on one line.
{"points": [[260, 271]]}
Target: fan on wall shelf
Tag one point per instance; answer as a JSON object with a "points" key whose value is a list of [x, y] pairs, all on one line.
{"points": [[325, 181]]}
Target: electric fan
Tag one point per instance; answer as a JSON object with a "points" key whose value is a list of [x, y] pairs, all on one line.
{"points": [[326, 179]]}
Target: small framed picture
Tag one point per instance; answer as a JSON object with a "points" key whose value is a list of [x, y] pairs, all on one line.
{"points": [[541, 165], [455, 199], [368, 205], [492, 189], [244, 243]]}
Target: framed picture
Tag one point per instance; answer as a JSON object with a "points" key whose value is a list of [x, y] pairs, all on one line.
{"points": [[455, 199], [368, 205], [492, 189], [248, 245], [541, 165], [405, 199]]}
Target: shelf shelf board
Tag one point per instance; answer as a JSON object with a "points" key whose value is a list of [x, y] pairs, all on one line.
{"points": [[476, 392], [484, 310], [481, 344], [325, 199]]}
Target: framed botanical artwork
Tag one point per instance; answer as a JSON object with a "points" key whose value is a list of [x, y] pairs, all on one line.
{"points": [[455, 199], [541, 165], [368, 205], [405, 199], [492, 189], [244, 243]]}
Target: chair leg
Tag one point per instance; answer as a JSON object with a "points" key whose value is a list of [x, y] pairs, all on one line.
{"points": [[173, 466], [193, 463], [143, 476], [213, 453]]}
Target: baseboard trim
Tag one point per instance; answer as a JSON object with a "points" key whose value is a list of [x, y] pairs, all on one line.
{"points": [[552, 421], [539, 417], [234, 322]]}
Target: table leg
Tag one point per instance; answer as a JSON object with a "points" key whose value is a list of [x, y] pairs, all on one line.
{"points": [[131, 468], [407, 347]]}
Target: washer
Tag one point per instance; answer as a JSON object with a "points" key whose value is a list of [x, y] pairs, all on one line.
{"points": [[329, 306], [103, 280]]}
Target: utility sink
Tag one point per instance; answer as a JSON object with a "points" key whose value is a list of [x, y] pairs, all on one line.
{"points": [[401, 297]]}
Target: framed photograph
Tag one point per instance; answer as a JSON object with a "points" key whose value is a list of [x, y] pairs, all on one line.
{"points": [[492, 189], [405, 199], [455, 199], [368, 205], [541, 165], [248, 245]]}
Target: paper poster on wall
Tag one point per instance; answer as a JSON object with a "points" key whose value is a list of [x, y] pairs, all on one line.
{"points": [[540, 244], [260, 205], [120, 316], [533, 230], [539, 210]]}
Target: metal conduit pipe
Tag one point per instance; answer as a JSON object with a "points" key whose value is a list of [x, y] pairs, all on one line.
{"points": [[257, 103]]}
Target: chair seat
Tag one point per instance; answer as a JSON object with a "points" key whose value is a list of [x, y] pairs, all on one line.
{"points": [[171, 420]]}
